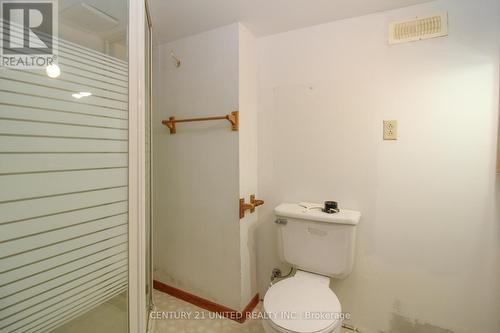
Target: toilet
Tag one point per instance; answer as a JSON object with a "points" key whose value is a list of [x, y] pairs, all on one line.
{"points": [[319, 246]]}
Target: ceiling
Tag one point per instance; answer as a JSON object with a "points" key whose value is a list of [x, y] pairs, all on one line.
{"points": [[174, 19], [106, 19]]}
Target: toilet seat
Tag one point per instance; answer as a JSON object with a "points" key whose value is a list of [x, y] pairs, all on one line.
{"points": [[303, 303]]}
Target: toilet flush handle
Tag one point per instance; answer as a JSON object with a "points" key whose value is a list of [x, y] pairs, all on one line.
{"points": [[281, 221]]}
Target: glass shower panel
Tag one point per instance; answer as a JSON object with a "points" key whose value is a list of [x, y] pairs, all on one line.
{"points": [[63, 180]]}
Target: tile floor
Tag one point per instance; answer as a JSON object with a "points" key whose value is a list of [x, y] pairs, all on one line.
{"points": [[198, 321], [206, 322], [109, 317]]}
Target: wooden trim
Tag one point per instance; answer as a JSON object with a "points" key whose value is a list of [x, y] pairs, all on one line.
{"points": [[247, 311], [229, 313]]}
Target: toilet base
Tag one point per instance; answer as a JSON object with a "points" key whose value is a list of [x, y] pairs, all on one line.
{"points": [[269, 329]]}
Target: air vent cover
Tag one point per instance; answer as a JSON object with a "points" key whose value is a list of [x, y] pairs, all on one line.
{"points": [[418, 29]]}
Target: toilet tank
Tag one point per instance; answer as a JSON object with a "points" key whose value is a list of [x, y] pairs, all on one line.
{"points": [[315, 241]]}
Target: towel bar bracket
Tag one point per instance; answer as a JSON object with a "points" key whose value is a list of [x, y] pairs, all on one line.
{"points": [[249, 206]]}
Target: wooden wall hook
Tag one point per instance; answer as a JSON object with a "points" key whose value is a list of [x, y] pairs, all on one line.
{"points": [[255, 202], [245, 206], [249, 206]]}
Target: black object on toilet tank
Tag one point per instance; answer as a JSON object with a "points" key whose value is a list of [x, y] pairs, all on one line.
{"points": [[331, 207]]}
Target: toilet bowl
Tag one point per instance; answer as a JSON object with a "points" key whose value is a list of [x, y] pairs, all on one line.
{"points": [[303, 303], [320, 246]]}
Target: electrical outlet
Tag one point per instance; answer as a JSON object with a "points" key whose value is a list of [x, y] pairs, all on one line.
{"points": [[390, 129]]}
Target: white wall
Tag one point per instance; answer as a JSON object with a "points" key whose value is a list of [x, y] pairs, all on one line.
{"points": [[197, 236], [428, 246]]}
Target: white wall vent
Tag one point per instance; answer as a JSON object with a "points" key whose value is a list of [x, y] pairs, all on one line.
{"points": [[418, 29]]}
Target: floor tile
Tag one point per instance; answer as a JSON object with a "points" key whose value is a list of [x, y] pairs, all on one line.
{"points": [[198, 320], [109, 317]]}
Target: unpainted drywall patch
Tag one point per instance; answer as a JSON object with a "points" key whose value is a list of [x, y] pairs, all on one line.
{"points": [[401, 324]]}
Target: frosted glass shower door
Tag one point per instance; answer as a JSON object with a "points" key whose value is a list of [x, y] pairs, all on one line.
{"points": [[63, 184]]}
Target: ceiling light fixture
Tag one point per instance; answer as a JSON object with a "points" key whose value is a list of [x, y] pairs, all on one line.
{"points": [[53, 71]]}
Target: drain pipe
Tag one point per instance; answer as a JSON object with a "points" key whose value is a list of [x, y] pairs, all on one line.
{"points": [[351, 328], [277, 275]]}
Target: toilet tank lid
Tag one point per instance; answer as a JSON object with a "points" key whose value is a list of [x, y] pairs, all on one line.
{"points": [[293, 210]]}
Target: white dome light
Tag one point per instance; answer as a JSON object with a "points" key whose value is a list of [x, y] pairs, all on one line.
{"points": [[77, 96], [53, 71]]}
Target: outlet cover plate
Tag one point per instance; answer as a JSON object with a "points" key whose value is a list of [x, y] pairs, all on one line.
{"points": [[390, 129]]}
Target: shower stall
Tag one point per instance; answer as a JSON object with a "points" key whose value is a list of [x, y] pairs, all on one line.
{"points": [[74, 177]]}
